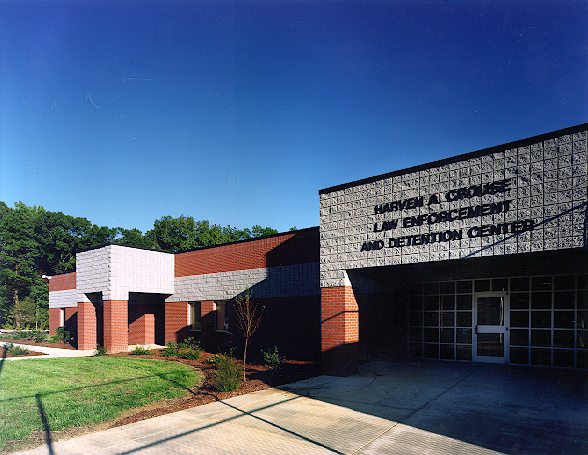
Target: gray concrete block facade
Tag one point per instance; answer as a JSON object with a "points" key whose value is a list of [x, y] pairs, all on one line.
{"points": [[545, 182], [297, 280]]}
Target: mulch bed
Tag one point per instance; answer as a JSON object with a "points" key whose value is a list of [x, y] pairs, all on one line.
{"points": [[3, 353], [259, 377], [47, 344]]}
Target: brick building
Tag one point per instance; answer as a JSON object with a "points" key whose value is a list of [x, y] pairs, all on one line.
{"points": [[478, 257]]}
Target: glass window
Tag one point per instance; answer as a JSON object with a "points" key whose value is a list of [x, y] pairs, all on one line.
{"points": [[491, 344], [541, 319], [563, 319], [519, 355], [541, 338], [541, 300], [564, 299], [519, 337], [582, 300], [582, 281], [500, 284], [540, 356], [464, 319], [431, 351], [490, 310], [447, 319], [519, 300], [564, 282], [195, 316], [519, 284], [447, 287], [519, 319], [463, 352], [582, 359], [464, 302], [432, 319], [464, 287], [563, 338], [541, 283], [447, 302], [446, 352], [432, 335], [482, 285], [463, 336], [222, 319], [447, 335], [563, 358]]}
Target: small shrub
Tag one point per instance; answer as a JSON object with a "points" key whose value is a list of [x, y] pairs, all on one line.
{"points": [[139, 350], [214, 360], [189, 349], [100, 350], [228, 374], [272, 357], [171, 349], [61, 335], [15, 351]]}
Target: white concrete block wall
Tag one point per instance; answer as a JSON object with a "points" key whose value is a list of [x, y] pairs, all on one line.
{"points": [[548, 185], [285, 281], [63, 299], [116, 270]]}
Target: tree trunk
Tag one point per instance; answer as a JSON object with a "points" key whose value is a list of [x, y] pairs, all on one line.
{"points": [[16, 309], [245, 359]]}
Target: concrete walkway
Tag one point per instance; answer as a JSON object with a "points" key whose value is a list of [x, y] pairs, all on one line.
{"points": [[50, 352], [389, 408]]}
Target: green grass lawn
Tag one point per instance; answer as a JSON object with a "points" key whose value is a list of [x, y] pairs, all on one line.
{"points": [[57, 394]]}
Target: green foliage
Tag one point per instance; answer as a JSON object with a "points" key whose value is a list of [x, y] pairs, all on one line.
{"points": [[25, 335], [214, 360], [228, 374], [171, 349], [61, 335], [100, 350], [140, 350], [15, 351], [272, 357]]}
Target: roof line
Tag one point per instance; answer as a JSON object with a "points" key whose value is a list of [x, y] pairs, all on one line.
{"points": [[461, 157]]}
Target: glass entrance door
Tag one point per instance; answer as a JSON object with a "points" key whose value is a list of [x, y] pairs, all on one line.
{"points": [[490, 342]]}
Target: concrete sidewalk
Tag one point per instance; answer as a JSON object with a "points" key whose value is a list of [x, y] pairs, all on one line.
{"points": [[389, 408], [50, 352]]}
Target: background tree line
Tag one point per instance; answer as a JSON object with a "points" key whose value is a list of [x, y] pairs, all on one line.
{"points": [[36, 242]]}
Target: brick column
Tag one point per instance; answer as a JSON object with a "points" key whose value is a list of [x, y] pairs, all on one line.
{"points": [[176, 321], [54, 320], [116, 325], [142, 330], [86, 326], [339, 331]]}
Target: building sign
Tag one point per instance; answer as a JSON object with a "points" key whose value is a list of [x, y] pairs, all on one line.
{"points": [[394, 224]]}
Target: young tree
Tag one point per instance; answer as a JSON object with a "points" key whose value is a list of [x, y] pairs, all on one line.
{"points": [[249, 316]]}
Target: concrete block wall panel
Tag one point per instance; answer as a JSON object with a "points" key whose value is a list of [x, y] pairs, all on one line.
{"points": [[54, 320], [116, 320], [117, 270], [283, 281], [63, 299], [547, 184], [176, 321], [86, 326], [339, 330], [289, 248]]}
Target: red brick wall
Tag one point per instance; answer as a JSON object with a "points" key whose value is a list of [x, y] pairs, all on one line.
{"points": [[142, 329], [116, 320], [176, 321], [339, 330], [54, 320], [290, 248], [86, 326], [62, 282]]}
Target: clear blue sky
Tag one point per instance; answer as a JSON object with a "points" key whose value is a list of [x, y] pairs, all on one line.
{"points": [[123, 112]]}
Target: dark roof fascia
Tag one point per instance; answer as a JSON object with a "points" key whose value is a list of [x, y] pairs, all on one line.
{"points": [[456, 158]]}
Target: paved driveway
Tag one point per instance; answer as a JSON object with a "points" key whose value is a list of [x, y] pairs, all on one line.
{"points": [[389, 408]]}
